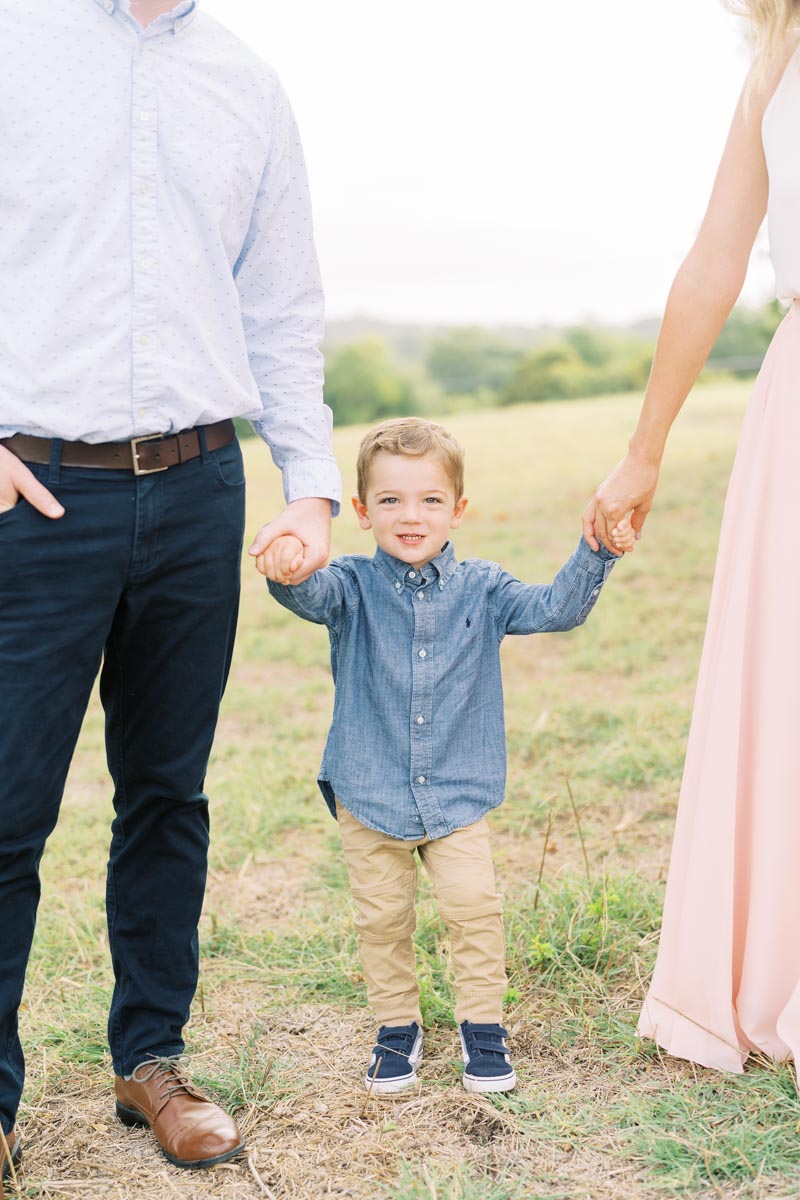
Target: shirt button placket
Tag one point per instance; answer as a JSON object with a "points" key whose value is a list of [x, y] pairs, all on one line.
{"points": [[144, 238], [421, 715]]}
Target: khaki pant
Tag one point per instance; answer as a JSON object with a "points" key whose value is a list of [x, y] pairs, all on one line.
{"points": [[383, 882]]}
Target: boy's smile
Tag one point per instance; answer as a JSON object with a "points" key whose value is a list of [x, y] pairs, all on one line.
{"points": [[410, 506]]}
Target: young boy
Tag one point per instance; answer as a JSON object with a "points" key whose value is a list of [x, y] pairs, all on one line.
{"points": [[415, 756]]}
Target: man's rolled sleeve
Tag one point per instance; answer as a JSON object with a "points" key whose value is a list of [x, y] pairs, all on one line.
{"points": [[282, 307]]}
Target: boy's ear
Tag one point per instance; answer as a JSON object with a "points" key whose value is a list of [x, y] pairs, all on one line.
{"points": [[361, 513], [458, 512]]}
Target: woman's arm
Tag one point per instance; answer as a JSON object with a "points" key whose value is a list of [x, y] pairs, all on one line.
{"points": [[700, 300]]}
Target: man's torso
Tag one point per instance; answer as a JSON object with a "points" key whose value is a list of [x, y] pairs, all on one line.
{"points": [[131, 165]]}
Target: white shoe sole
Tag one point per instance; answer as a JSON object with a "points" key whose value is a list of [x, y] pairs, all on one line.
{"points": [[506, 1083], [387, 1087]]}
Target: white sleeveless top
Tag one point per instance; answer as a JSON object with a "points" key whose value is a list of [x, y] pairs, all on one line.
{"points": [[780, 130]]}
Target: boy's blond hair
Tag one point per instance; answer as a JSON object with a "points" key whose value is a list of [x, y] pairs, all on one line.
{"points": [[412, 437]]}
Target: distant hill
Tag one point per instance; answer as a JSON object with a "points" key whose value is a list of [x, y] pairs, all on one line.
{"points": [[409, 341]]}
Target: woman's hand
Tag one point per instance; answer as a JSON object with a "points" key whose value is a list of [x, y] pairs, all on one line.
{"points": [[630, 488]]}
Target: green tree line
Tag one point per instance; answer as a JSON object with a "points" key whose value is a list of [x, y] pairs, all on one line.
{"points": [[368, 378]]}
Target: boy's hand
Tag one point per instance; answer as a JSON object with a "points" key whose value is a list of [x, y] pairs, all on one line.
{"points": [[281, 559], [623, 536]]}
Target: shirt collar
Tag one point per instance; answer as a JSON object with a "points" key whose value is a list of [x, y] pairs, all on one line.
{"points": [[178, 18], [441, 567]]}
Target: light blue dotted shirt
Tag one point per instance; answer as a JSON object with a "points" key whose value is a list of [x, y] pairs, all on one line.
{"points": [[157, 262]]}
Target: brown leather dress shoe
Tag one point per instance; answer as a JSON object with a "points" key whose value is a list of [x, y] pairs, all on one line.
{"points": [[191, 1130], [15, 1150]]}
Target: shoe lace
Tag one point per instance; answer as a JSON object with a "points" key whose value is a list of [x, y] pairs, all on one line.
{"points": [[166, 1071], [486, 1040]]}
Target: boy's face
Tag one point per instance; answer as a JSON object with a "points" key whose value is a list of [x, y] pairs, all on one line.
{"points": [[410, 506]]}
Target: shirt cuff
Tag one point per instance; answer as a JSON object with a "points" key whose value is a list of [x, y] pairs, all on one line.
{"points": [[596, 561], [304, 478]]}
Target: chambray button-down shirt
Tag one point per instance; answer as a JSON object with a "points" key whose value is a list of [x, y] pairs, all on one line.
{"points": [[417, 743], [157, 262]]}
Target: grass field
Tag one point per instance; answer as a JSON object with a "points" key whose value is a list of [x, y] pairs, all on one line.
{"points": [[279, 1028]]}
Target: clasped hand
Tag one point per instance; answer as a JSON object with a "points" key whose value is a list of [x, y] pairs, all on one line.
{"points": [[618, 510], [296, 544]]}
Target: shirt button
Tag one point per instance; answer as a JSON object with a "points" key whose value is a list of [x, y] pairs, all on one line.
{"points": [[420, 595], [596, 591], [412, 574], [144, 114], [399, 587], [109, 6], [420, 720], [145, 264], [423, 653], [144, 339], [143, 189], [420, 779], [141, 412]]}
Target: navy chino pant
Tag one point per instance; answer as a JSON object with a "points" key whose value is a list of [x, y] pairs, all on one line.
{"points": [[138, 580]]}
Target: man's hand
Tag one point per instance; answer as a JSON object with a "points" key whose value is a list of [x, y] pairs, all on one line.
{"points": [[307, 520], [16, 480]]}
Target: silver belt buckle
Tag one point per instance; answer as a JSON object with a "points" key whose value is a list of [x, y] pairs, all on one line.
{"points": [[134, 444]]}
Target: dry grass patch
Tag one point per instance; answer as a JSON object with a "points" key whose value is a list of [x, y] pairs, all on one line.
{"points": [[279, 1031]]}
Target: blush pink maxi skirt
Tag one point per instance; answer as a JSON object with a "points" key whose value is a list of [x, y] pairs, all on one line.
{"points": [[727, 979]]}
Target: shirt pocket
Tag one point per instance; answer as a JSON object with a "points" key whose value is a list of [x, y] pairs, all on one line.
{"points": [[212, 168]]}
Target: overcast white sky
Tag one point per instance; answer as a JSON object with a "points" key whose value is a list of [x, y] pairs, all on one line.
{"points": [[513, 161]]}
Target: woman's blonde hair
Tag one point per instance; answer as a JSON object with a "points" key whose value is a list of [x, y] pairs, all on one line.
{"points": [[770, 22]]}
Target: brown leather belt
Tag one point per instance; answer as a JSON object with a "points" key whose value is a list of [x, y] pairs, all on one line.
{"points": [[142, 455]]}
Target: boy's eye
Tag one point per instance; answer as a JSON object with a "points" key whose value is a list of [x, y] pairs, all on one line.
{"points": [[389, 500], [432, 500]]}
